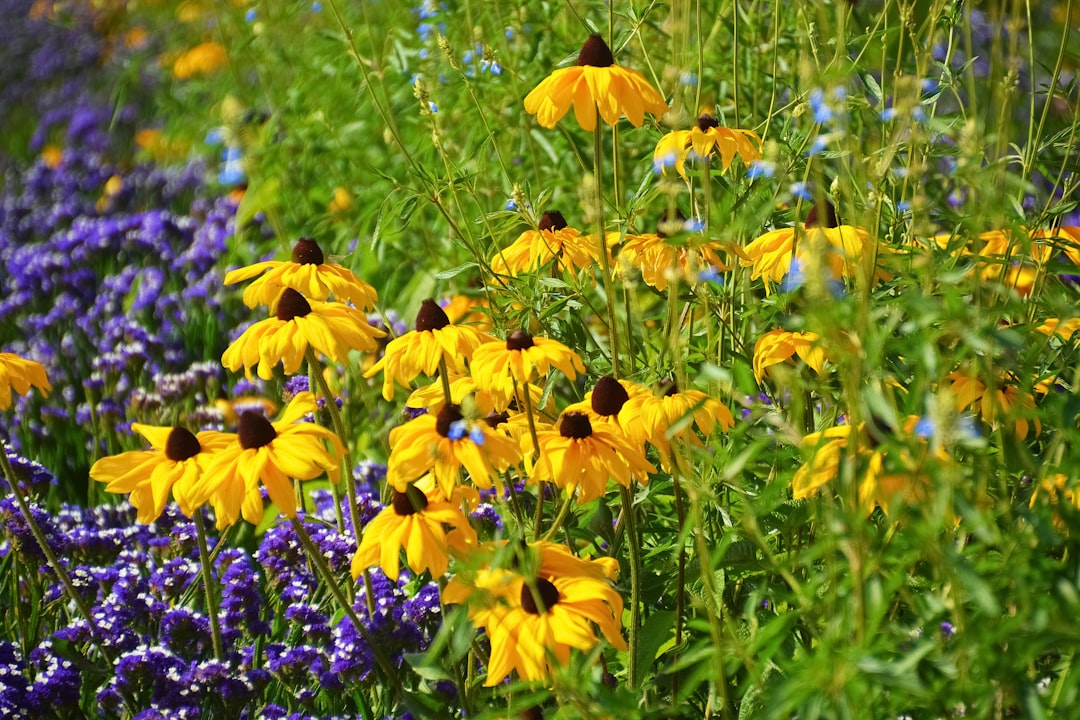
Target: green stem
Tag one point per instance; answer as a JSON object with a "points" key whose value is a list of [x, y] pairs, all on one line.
{"points": [[635, 584], [564, 512], [313, 379], [317, 559], [601, 239], [208, 584], [50, 556]]}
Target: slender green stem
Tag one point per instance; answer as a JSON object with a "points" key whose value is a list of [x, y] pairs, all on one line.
{"points": [[208, 584], [680, 583], [313, 372], [601, 239], [635, 584], [557, 523], [444, 379], [317, 559], [50, 556]]}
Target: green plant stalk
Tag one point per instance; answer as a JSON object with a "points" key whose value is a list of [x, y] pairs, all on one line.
{"points": [[339, 516], [50, 556], [444, 381], [557, 523], [319, 562], [713, 612], [601, 239], [208, 584], [635, 585]]}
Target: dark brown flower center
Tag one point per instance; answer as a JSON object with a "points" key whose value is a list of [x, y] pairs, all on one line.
{"points": [[812, 220], [519, 340], [409, 502], [595, 53], [706, 121], [181, 445], [431, 317], [552, 220], [449, 415], [292, 305], [667, 225], [670, 387], [545, 597], [608, 396], [307, 252], [575, 425], [494, 419], [255, 430]]}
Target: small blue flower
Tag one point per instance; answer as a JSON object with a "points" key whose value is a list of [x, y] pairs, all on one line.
{"points": [[231, 153], [795, 276], [694, 225], [477, 436], [215, 136], [316, 6], [509, 33], [422, 54], [903, 206], [888, 114], [711, 274], [819, 144], [458, 429], [822, 112], [232, 174], [250, 15], [801, 190], [926, 427], [496, 68], [663, 163], [433, 107], [918, 114], [839, 93], [930, 85], [511, 204], [760, 168]]}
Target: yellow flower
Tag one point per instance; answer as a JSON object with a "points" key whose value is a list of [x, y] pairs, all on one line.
{"points": [[553, 240], [839, 248], [1006, 399], [777, 346], [271, 454], [1063, 329], [420, 351], [595, 83], [20, 374], [579, 455], [331, 328], [202, 59], [340, 202], [655, 255], [463, 391], [706, 138], [446, 443], [651, 418], [308, 273], [176, 461], [534, 617], [500, 366], [1054, 490], [414, 521]]}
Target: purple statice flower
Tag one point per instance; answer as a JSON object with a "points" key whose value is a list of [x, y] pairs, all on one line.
{"points": [[488, 517], [312, 625], [55, 690], [242, 600], [145, 675], [169, 581], [185, 633], [17, 535], [13, 685]]}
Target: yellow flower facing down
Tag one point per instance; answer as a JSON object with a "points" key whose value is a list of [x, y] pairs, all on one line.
{"points": [[21, 375], [704, 140], [1065, 329], [657, 256], [500, 366], [581, 456], [837, 248], [267, 453], [777, 346], [332, 329], [657, 419], [174, 464], [552, 241], [446, 443], [596, 83], [1005, 400], [209, 57], [420, 351], [534, 617], [308, 273], [414, 521]]}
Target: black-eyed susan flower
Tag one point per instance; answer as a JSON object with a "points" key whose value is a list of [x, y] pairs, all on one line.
{"points": [[777, 346], [501, 366], [705, 139], [604, 405], [1064, 329], [267, 453], [1056, 491], [581, 456], [414, 521], [657, 256], [445, 443], [332, 329], [656, 418], [20, 374], [533, 615], [308, 273], [464, 391], [1004, 400], [596, 83], [553, 240], [174, 463], [420, 351]]}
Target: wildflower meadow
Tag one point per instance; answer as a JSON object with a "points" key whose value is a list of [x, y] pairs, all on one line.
{"points": [[636, 360]]}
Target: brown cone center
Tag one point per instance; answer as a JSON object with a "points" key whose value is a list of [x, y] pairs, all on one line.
{"points": [[608, 396], [292, 305], [307, 252], [431, 317], [255, 430], [812, 220], [494, 419], [181, 445], [552, 220], [519, 340], [409, 502], [595, 53], [575, 425], [547, 595], [706, 121], [449, 415], [670, 387], [668, 225]]}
